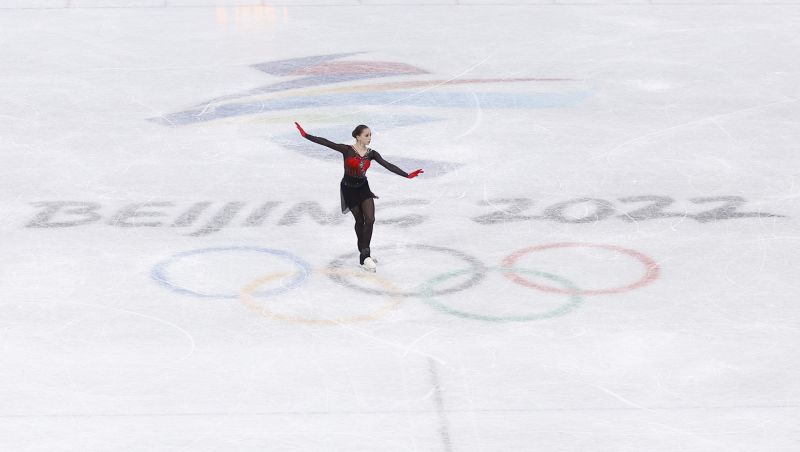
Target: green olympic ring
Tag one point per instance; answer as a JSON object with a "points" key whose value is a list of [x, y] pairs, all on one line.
{"points": [[426, 291]]}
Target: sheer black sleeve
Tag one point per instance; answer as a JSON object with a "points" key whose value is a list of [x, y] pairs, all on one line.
{"points": [[377, 157], [325, 142]]}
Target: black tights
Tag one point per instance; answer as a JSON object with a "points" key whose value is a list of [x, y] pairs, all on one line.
{"points": [[364, 214]]}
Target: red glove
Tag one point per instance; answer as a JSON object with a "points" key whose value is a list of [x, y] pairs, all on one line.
{"points": [[302, 132], [415, 173]]}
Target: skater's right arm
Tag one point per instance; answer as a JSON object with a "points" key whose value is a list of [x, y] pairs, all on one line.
{"points": [[319, 140]]}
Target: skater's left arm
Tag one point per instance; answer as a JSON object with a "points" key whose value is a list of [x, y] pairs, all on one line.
{"points": [[393, 168]]}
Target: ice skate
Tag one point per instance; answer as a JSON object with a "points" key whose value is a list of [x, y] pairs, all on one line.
{"points": [[369, 265]]}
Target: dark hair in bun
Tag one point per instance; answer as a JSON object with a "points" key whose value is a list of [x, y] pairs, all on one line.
{"points": [[360, 128]]}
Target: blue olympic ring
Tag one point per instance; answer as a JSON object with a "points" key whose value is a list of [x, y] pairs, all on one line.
{"points": [[159, 272]]}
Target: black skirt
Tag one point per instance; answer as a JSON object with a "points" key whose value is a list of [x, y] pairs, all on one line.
{"points": [[353, 190]]}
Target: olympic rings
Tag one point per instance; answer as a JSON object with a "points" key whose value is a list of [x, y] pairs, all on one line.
{"points": [[159, 272], [652, 269], [384, 309], [426, 291], [574, 298], [476, 267]]}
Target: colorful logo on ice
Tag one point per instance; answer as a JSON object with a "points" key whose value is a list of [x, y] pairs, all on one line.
{"points": [[325, 81]]}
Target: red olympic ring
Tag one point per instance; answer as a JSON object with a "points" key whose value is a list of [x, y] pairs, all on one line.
{"points": [[652, 269]]}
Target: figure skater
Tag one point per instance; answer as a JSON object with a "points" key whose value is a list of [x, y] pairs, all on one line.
{"points": [[354, 189]]}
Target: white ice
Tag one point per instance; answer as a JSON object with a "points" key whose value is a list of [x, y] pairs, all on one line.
{"points": [[693, 107]]}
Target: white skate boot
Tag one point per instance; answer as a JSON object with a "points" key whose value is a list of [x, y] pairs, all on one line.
{"points": [[369, 265]]}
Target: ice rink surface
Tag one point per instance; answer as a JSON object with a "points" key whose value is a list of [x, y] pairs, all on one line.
{"points": [[602, 253]]}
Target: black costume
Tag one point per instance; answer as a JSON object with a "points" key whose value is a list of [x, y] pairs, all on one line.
{"points": [[354, 188]]}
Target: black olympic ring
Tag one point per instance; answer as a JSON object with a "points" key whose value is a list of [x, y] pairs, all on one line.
{"points": [[476, 266]]}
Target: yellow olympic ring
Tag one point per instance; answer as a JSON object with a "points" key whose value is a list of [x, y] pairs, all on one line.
{"points": [[391, 305]]}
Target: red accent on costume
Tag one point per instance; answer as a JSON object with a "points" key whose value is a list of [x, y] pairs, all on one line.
{"points": [[356, 165], [352, 162]]}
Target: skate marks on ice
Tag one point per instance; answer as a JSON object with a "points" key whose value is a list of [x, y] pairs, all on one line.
{"points": [[574, 271], [90, 336]]}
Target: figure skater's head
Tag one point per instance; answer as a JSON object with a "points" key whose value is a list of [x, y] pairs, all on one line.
{"points": [[362, 134]]}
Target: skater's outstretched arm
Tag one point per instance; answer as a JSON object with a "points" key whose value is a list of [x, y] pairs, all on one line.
{"points": [[319, 140], [378, 158]]}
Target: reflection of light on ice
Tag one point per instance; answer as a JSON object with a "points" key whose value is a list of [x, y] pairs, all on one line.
{"points": [[251, 18]]}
